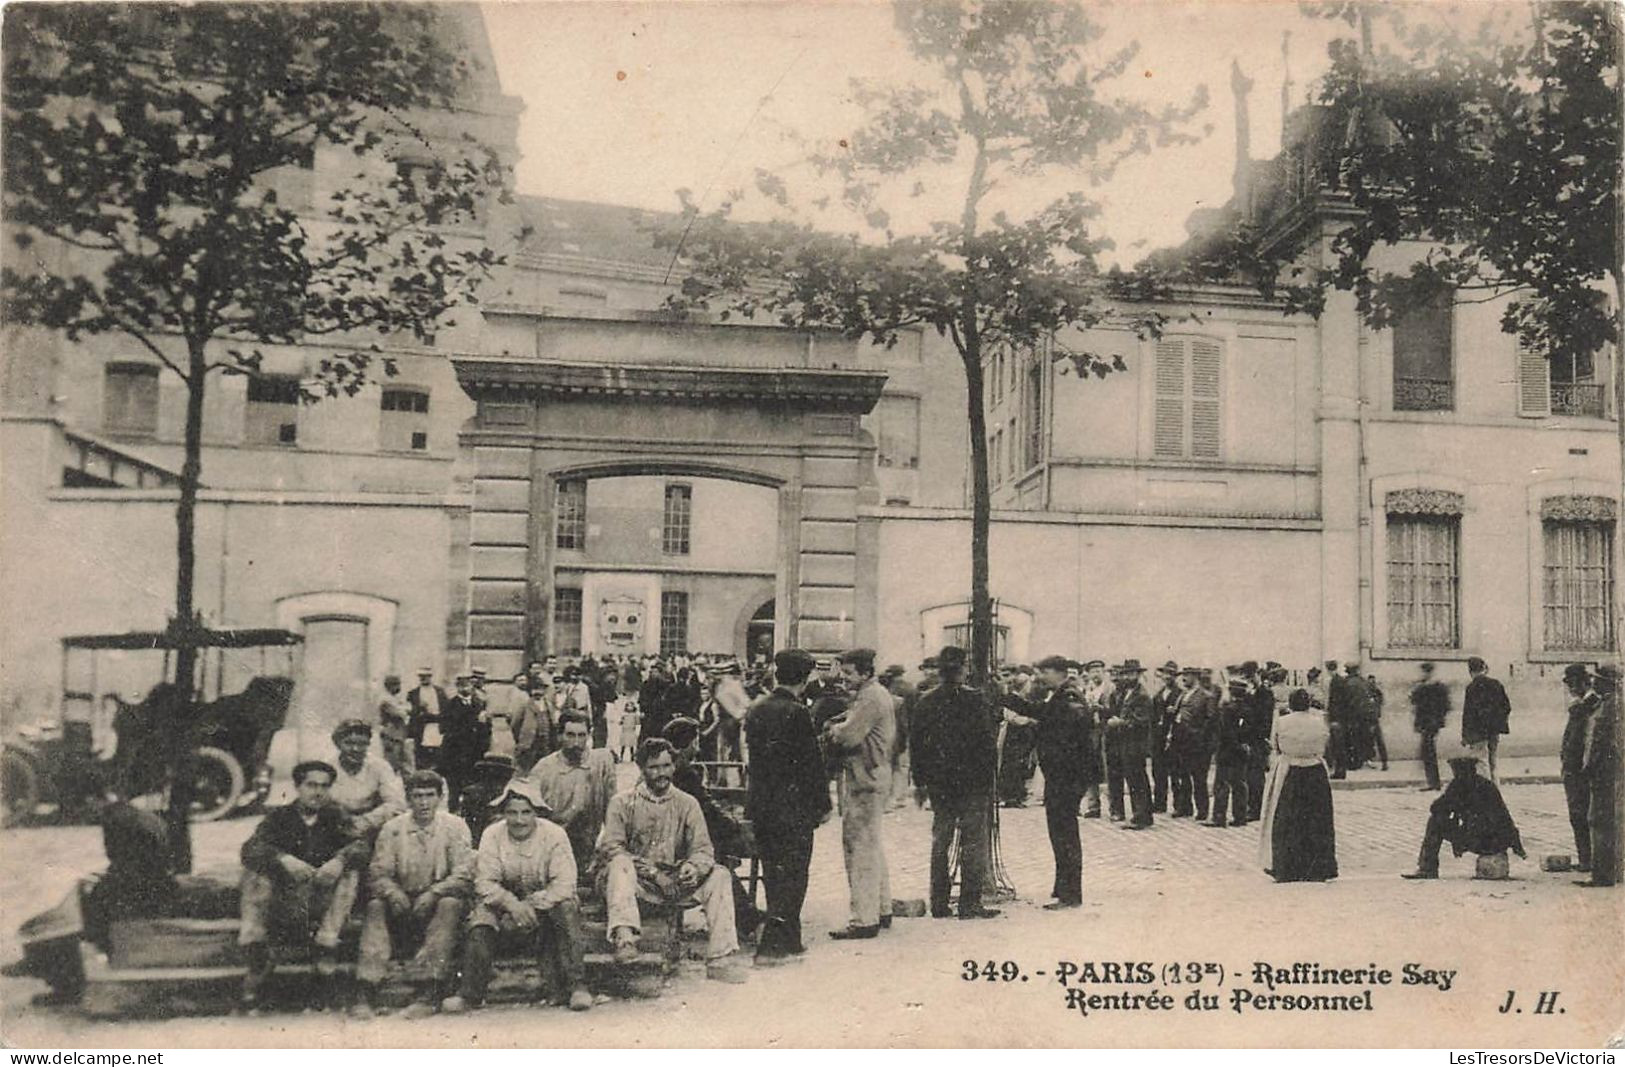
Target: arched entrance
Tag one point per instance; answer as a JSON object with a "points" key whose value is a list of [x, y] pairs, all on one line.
{"points": [[544, 426], [757, 646]]}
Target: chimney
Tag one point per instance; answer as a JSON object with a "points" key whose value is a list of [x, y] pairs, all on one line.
{"points": [[1240, 84]]}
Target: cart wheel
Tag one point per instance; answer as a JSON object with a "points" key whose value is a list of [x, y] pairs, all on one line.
{"points": [[19, 788], [217, 782]]}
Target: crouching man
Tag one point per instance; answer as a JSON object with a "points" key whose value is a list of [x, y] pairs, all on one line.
{"points": [[524, 896], [294, 867], [421, 877], [657, 850]]}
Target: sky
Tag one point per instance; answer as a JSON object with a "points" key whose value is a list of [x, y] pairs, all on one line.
{"points": [[628, 102]]}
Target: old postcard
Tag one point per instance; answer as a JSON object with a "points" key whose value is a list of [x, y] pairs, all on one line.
{"points": [[921, 524]]}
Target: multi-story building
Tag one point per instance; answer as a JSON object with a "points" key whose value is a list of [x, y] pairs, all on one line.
{"points": [[575, 469]]}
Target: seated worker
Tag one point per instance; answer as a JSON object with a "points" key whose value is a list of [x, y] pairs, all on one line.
{"points": [[729, 841], [368, 790], [420, 880], [524, 895], [656, 849], [1469, 814], [576, 783], [292, 868]]}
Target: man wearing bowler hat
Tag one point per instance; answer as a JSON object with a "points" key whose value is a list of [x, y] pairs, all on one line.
{"points": [[1129, 724], [1577, 750], [1602, 759]]}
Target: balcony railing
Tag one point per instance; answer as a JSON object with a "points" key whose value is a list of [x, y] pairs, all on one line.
{"points": [[1424, 394], [1578, 398]]}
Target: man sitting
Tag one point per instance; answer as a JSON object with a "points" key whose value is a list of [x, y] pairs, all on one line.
{"points": [[292, 869], [368, 791], [1469, 814], [576, 783], [524, 892], [421, 877], [729, 840], [657, 850]]}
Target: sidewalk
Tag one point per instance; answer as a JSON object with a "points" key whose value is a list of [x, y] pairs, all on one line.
{"points": [[1402, 774]]}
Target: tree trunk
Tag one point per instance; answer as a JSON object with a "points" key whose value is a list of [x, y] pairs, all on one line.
{"points": [[179, 737], [981, 513]]}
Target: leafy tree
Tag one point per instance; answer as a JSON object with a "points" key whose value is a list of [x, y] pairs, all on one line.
{"points": [[142, 145], [1016, 92]]}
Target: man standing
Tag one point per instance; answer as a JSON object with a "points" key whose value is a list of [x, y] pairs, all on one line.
{"points": [[955, 758], [658, 850], [1259, 721], [1096, 689], [575, 783], [463, 738], [1163, 705], [395, 727], [1484, 712], [425, 702], [1337, 721], [1128, 745], [1066, 756], [421, 876], [788, 797], [368, 791], [1430, 703], [864, 736], [1191, 744], [1230, 755], [1375, 699], [1602, 779], [525, 893], [904, 697], [1577, 745]]}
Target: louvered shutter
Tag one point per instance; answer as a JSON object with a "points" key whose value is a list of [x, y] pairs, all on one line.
{"points": [[1204, 399], [1170, 400], [1534, 383]]}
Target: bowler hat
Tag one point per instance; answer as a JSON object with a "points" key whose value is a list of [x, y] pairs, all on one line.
{"points": [[950, 658], [1194, 672], [1168, 668], [1576, 672], [895, 670], [1129, 666]]}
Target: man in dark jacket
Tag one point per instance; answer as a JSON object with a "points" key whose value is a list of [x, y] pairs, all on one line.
{"points": [[1471, 816], [1190, 744], [1066, 756], [1601, 771], [788, 797], [1230, 754], [1430, 704], [1163, 705], [1258, 721], [955, 751], [1130, 722], [1576, 745], [1484, 711], [291, 866]]}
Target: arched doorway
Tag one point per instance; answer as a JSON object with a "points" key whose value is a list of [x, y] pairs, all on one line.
{"points": [[759, 635]]}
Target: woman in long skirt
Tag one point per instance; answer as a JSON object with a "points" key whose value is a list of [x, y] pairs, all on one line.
{"points": [[1298, 842]]}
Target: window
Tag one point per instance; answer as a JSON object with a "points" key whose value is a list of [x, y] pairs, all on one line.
{"points": [[271, 416], [995, 457], [1033, 412], [1423, 339], [898, 431], [673, 623], [130, 398], [405, 426], [958, 635], [674, 527], [571, 510], [998, 375], [1578, 580], [1565, 384], [567, 622], [1424, 587], [1187, 416], [1011, 452]]}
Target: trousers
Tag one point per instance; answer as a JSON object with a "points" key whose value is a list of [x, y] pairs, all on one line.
{"points": [[786, 854], [435, 937], [1258, 767], [1061, 816], [867, 879], [1128, 768], [1230, 785], [1577, 791], [300, 912], [556, 943], [1430, 757], [1161, 766], [967, 815], [1190, 778], [715, 895]]}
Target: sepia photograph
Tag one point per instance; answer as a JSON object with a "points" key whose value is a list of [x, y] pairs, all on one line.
{"points": [[775, 524]]}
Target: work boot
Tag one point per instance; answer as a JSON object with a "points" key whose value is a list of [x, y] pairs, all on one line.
{"points": [[855, 933], [1422, 875], [980, 913], [725, 969], [626, 945]]}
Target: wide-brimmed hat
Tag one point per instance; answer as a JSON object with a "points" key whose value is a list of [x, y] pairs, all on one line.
{"points": [[1129, 666], [1576, 672], [523, 787], [1168, 668]]}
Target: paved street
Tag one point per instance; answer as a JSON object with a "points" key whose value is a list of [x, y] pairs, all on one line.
{"points": [[1179, 893]]}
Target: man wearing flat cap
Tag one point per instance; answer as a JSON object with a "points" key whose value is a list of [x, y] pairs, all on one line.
{"points": [[955, 759], [1129, 726], [1066, 756], [1230, 752], [1164, 703], [788, 797], [368, 791]]}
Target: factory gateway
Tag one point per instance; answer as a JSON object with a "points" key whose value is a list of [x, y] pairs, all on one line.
{"points": [[571, 470]]}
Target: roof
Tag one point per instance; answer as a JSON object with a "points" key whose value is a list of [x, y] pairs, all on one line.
{"points": [[613, 232], [199, 637]]}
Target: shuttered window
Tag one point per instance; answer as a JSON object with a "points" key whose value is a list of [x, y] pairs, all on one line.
{"points": [[1189, 396], [1534, 383], [1424, 340]]}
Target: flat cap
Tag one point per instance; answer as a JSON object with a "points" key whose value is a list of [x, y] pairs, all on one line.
{"points": [[1054, 663], [351, 726]]}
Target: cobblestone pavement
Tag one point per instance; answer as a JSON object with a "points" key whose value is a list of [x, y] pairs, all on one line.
{"points": [[1180, 892]]}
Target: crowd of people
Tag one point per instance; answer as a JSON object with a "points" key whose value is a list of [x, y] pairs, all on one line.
{"points": [[460, 826]]}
